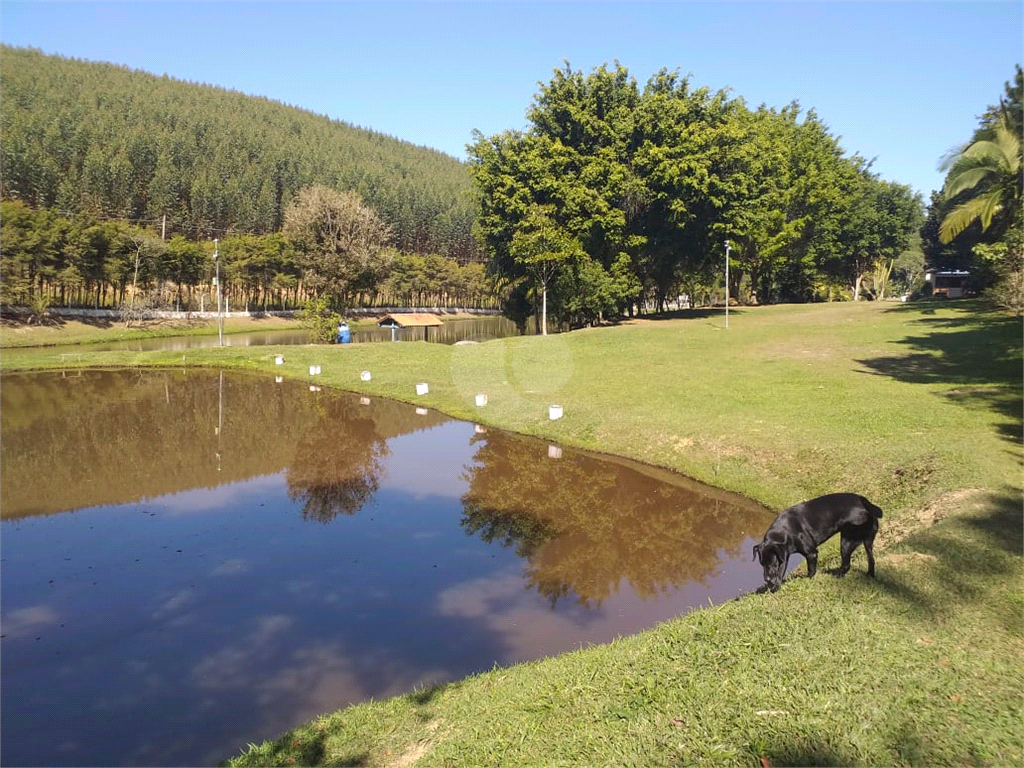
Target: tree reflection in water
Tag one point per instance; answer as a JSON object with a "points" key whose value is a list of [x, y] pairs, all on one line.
{"points": [[117, 437], [584, 524], [581, 524], [338, 463]]}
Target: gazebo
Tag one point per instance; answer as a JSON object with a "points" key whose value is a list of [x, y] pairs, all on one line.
{"points": [[422, 320]]}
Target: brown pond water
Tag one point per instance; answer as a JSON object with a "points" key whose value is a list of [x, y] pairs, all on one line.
{"points": [[193, 560]]}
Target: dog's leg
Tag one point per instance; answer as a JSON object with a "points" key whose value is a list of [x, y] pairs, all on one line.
{"points": [[868, 546], [846, 547], [812, 562]]}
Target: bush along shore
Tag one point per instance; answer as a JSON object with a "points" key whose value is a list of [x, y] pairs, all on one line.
{"points": [[916, 406]]}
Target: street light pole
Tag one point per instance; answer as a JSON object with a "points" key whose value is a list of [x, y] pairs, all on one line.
{"points": [[726, 283], [216, 262]]}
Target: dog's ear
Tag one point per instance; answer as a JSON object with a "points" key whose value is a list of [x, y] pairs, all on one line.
{"points": [[757, 551]]}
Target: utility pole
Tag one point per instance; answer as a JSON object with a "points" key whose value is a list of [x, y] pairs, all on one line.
{"points": [[216, 262], [163, 228], [726, 283]]}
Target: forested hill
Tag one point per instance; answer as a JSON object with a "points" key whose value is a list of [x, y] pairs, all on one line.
{"points": [[126, 144]]}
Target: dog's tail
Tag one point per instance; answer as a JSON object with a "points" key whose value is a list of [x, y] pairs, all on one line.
{"points": [[876, 511]]}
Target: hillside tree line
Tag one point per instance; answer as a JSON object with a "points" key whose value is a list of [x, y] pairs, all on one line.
{"points": [[49, 260], [615, 199], [206, 162]]}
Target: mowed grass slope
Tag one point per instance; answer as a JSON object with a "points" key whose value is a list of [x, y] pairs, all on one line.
{"points": [[916, 406], [58, 331]]}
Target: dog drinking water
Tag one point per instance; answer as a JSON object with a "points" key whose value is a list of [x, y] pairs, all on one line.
{"points": [[804, 526]]}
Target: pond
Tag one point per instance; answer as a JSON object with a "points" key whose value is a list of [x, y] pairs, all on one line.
{"points": [[193, 560]]}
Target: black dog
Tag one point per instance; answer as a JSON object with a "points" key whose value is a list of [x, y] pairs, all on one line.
{"points": [[802, 527]]}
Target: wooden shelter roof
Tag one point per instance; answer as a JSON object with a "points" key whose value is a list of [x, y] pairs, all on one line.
{"points": [[409, 320]]}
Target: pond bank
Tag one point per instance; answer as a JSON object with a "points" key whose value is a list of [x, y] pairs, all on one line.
{"points": [[917, 408], [74, 329]]}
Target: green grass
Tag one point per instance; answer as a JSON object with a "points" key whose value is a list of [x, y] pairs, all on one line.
{"points": [[916, 406], [58, 331]]}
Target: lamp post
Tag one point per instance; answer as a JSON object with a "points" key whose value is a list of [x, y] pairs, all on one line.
{"points": [[726, 283], [216, 263]]}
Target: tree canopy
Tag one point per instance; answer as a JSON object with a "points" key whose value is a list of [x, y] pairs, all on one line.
{"points": [[651, 182], [339, 240]]}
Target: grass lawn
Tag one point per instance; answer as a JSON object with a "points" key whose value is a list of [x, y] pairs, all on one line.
{"points": [[918, 407], [59, 331]]}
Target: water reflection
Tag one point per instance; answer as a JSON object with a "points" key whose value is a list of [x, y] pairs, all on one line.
{"points": [[587, 525], [116, 437], [192, 561], [338, 463]]}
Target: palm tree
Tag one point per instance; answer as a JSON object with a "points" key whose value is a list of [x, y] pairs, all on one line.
{"points": [[992, 167]]}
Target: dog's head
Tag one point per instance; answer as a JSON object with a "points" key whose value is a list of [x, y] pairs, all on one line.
{"points": [[773, 557]]}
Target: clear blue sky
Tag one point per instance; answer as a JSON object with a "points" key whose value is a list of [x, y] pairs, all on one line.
{"points": [[902, 82]]}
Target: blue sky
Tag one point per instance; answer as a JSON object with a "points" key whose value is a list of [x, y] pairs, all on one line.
{"points": [[902, 82]]}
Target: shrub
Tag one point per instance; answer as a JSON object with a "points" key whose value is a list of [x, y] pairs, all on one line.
{"points": [[321, 320]]}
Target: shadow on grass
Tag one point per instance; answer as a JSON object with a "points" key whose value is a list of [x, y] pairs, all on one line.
{"points": [[691, 314], [977, 353], [426, 695], [981, 347], [965, 553], [19, 320], [94, 322], [906, 742], [812, 753]]}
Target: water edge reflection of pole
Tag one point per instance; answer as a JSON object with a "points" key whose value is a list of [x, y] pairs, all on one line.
{"points": [[220, 415]]}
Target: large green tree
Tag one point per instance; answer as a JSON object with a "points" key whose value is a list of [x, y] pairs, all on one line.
{"points": [[880, 222], [651, 182], [337, 239]]}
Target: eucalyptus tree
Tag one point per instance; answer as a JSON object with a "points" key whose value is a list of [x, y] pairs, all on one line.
{"points": [[27, 249], [258, 266], [182, 263]]}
